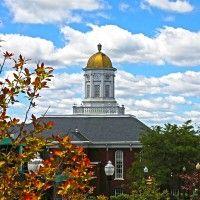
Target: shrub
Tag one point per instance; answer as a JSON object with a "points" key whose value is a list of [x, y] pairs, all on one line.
{"points": [[91, 198], [121, 197], [102, 197]]}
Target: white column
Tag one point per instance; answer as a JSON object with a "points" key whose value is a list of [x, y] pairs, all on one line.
{"points": [[113, 85], [90, 84], [102, 85]]}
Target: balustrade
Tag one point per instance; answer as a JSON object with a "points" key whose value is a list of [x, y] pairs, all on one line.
{"points": [[108, 110]]}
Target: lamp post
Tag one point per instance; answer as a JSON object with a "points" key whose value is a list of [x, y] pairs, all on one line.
{"points": [[198, 182], [109, 171], [184, 171], [35, 163], [146, 170], [149, 181]]}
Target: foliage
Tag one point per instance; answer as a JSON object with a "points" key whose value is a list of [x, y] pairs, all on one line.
{"points": [[91, 198], [145, 191], [190, 181], [102, 197], [166, 150], [121, 197], [66, 159]]}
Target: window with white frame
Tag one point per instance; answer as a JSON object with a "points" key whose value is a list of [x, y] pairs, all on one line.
{"points": [[87, 91], [119, 164], [118, 191], [107, 90], [97, 91]]}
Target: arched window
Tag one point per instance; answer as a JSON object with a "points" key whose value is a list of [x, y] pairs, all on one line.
{"points": [[119, 165]]}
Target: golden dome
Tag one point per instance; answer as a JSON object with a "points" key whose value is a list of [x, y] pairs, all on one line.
{"points": [[99, 60]]}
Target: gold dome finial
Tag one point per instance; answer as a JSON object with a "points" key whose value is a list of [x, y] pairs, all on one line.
{"points": [[99, 46], [99, 60]]}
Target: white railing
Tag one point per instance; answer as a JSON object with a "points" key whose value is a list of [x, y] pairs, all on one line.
{"points": [[107, 110]]}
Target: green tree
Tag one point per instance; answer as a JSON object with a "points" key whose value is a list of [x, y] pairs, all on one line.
{"points": [[143, 191], [165, 151], [121, 197]]}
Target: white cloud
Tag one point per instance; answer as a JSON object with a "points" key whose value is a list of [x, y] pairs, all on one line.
{"points": [[45, 11], [124, 7], [175, 46], [176, 99], [193, 115], [1, 23], [180, 6], [64, 90], [169, 19], [184, 84], [163, 103], [156, 110], [35, 48]]}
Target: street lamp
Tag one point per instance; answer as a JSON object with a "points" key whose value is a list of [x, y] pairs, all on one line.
{"points": [[198, 171], [109, 171], [35, 163], [198, 166], [184, 169], [146, 170], [184, 172]]}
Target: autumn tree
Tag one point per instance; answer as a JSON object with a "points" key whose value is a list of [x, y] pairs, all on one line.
{"points": [[66, 159]]}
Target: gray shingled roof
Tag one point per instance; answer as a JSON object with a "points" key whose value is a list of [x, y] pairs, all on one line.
{"points": [[97, 129]]}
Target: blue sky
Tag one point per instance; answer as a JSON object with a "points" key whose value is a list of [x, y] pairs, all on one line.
{"points": [[154, 44]]}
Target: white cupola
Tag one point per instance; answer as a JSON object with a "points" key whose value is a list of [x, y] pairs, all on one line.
{"points": [[99, 87]]}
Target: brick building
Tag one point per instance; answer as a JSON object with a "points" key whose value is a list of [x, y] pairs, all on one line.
{"points": [[101, 125]]}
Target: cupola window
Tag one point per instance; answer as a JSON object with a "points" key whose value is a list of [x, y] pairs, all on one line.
{"points": [[107, 91], [97, 91]]}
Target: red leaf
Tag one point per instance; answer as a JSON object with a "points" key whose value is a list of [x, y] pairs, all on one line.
{"points": [[33, 117], [7, 55]]}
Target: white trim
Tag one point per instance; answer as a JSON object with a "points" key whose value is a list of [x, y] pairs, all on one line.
{"points": [[103, 145], [86, 116], [113, 146], [117, 142], [130, 143], [95, 163]]}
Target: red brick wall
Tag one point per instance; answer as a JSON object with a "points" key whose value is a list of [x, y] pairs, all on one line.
{"points": [[102, 155]]}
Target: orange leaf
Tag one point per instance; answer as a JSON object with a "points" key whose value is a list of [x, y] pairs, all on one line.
{"points": [[57, 153], [50, 124], [30, 196]]}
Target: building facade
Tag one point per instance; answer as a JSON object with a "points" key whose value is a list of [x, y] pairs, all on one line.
{"points": [[101, 126]]}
